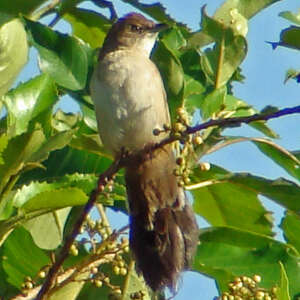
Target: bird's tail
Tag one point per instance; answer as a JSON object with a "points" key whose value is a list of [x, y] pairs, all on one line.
{"points": [[163, 229]]}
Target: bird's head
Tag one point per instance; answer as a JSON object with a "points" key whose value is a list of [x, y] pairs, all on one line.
{"points": [[134, 32]]}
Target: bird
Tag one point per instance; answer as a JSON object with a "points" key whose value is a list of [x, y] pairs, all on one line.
{"points": [[130, 103]]}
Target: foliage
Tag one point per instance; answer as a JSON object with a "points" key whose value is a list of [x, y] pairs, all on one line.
{"points": [[49, 159]]}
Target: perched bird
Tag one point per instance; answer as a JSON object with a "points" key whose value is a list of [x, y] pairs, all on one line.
{"points": [[130, 102]]}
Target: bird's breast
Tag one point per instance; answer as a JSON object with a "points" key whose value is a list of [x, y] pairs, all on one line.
{"points": [[129, 99]]}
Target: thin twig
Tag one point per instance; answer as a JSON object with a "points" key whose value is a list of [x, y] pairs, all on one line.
{"points": [[103, 216], [127, 279], [220, 62]]}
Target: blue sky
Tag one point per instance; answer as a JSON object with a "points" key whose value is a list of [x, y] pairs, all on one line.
{"points": [[265, 70]]}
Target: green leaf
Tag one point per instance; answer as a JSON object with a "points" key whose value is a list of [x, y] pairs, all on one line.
{"points": [[19, 197], [62, 121], [91, 292], [54, 142], [283, 289], [70, 161], [280, 156], [290, 225], [135, 284], [91, 143], [220, 63], [17, 7], [192, 87], [282, 191], [172, 73], [28, 101], [218, 104], [18, 153], [245, 7], [24, 260], [35, 189], [213, 103], [89, 26], [292, 74], [61, 56], [50, 225], [14, 52], [289, 37], [293, 17], [55, 199], [226, 203], [156, 10], [234, 195], [89, 117], [238, 12], [241, 252], [71, 290], [3, 145]]}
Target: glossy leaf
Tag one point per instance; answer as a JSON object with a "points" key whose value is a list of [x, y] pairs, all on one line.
{"points": [[13, 52], [172, 73], [61, 56], [293, 17], [3, 144], [17, 7], [18, 152], [91, 143], [290, 225], [283, 289], [155, 10], [221, 62], [213, 103], [89, 26], [237, 11], [241, 252], [247, 8], [70, 161], [91, 292], [235, 195], [71, 290], [224, 203], [50, 225], [22, 261], [281, 156], [54, 142], [292, 74], [55, 199], [136, 284], [289, 37], [219, 103], [282, 191], [28, 101]]}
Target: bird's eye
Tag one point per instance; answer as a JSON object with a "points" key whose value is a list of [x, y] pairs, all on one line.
{"points": [[135, 28]]}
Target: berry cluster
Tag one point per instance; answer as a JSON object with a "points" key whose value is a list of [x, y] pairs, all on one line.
{"points": [[246, 288]]}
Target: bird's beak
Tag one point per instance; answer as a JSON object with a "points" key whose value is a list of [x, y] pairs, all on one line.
{"points": [[159, 27]]}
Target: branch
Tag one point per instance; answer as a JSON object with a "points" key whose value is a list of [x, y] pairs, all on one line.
{"points": [[71, 273], [229, 122], [53, 272], [118, 164]]}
